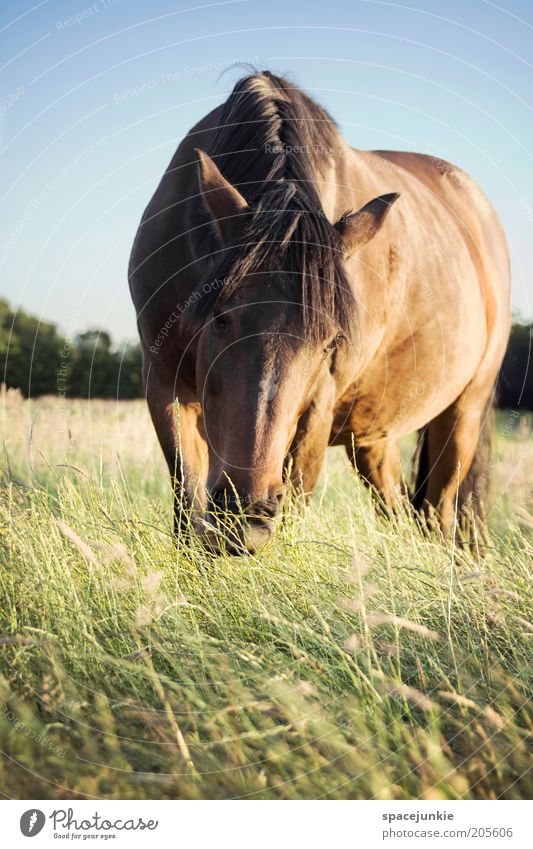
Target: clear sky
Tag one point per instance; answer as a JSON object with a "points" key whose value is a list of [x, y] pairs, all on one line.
{"points": [[95, 98]]}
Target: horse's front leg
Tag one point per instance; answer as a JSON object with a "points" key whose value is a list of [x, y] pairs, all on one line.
{"points": [[177, 417], [308, 448], [379, 466]]}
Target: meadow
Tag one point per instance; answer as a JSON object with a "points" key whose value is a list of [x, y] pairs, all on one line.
{"points": [[354, 657]]}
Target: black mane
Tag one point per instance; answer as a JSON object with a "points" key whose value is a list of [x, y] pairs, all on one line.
{"points": [[273, 144]]}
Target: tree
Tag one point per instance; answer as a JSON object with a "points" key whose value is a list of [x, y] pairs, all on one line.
{"points": [[97, 371], [38, 360], [29, 352], [516, 378]]}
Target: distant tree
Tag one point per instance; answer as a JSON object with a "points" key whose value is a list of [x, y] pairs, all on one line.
{"points": [[93, 368], [38, 360], [99, 339], [515, 388], [130, 378], [29, 352], [98, 371]]}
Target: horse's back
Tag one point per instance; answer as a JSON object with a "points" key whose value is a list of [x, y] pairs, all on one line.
{"points": [[481, 230]]}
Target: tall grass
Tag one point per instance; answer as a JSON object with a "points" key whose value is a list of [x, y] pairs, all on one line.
{"points": [[353, 657]]}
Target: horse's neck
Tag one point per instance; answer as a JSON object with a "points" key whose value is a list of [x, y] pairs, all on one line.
{"points": [[355, 177], [347, 175]]}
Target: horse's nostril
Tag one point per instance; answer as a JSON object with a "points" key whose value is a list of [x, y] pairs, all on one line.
{"points": [[242, 522], [257, 509], [277, 495], [225, 500]]}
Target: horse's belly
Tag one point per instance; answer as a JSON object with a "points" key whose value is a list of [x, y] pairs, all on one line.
{"points": [[374, 419]]}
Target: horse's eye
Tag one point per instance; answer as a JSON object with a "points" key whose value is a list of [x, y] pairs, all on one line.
{"points": [[219, 323], [334, 344]]}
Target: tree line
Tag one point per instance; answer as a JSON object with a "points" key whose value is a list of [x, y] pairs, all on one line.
{"points": [[515, 385], [39, 360]]}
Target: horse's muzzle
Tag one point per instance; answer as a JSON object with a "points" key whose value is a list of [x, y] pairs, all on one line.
{"points": [[241, 524]]}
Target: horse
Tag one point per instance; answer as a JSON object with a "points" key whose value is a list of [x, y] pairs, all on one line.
{"points": [[294, 293]]}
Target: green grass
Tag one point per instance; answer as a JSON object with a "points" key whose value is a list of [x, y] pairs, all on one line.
{"points": [[352, 658]]}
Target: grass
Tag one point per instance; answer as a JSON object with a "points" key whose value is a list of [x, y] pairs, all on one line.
{"points": [[352, 658]]}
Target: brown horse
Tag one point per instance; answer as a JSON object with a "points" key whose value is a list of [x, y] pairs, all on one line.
{"points": [[293, 293]]}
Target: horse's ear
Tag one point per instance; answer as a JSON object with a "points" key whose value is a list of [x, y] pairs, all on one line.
{"points": [[358, 228], [224, 204]]}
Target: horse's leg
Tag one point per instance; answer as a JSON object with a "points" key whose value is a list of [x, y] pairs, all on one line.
{"points": [[309, 446], [177, 428], [452, 440], [306, 461], [379, 466]]}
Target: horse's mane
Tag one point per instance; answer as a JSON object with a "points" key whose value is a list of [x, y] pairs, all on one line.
{"points": [[273, 143]]}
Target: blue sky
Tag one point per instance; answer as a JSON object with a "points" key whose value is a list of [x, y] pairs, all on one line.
{"points": [[95, 98]]}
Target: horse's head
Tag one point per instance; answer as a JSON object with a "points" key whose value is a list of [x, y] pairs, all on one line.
{"points": [[277, 322]]}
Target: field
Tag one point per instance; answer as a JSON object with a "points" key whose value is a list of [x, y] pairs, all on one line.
{"points": [[354, 657]]}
